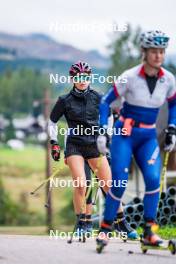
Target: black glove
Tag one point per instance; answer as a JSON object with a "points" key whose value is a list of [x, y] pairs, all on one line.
{"points": [[55, 150], [170, 138]]}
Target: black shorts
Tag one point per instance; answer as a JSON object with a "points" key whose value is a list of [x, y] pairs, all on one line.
{"points": [[86, 151]]}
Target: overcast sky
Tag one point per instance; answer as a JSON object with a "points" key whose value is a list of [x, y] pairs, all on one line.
{"points": [[26, 16]]}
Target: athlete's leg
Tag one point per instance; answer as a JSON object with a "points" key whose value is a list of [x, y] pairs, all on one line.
{"points": [[151, 168], [89, 224], [121, 152], [76, 165], [88, 180], [120, 223], [102, 170]]}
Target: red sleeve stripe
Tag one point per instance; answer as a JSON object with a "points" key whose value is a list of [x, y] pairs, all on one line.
{"points": [[115, 90], [172, 97]]}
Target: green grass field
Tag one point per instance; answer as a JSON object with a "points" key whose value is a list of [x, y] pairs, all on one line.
{"points": [[22, 171]]}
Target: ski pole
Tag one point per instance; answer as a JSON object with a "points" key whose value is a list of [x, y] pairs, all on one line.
{"points": [[45, 181], [155, 227], [48, 197], [49, 190], [164, 170], [95, 197]]}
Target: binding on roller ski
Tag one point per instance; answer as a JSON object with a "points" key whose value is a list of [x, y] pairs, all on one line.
{"points": [[155, 243], [142, 100]]}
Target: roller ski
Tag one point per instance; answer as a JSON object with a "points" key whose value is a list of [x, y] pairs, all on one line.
{"points": [[122, 227], [103, 237], [150, 240]]}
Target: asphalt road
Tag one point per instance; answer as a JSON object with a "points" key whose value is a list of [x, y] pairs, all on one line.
{"points": [[43, 250]]}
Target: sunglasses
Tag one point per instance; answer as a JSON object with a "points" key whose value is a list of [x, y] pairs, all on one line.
{"points": [[81, 78], [161, 40]]}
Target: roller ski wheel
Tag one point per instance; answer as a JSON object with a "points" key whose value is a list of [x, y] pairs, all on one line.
{"points": [[172, 246], [103, 237], [82, 238], [100, 247], [69, 241], [101, 243], [144, 250], [81, 234]]}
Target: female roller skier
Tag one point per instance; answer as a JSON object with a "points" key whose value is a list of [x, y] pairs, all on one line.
{"points": [[81, 108], [148, 86], [88, 209]]}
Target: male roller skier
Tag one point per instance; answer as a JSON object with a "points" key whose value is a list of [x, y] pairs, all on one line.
{"points": [[148, 86]]}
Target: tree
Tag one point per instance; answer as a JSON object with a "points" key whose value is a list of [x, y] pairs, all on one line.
{"points": [[125, 50], [19, 89]]}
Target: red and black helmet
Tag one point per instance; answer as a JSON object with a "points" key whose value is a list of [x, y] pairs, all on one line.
{"points": [[80, 67]]}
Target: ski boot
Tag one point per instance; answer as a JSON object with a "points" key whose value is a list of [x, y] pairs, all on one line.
{"points": [[122, 226], [89, 225], [81, 228], [103, 236], [149, 240]]}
